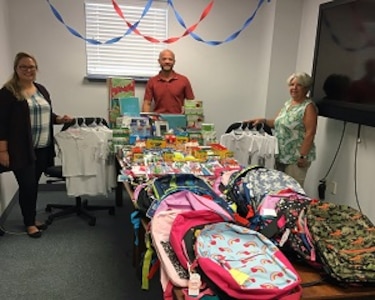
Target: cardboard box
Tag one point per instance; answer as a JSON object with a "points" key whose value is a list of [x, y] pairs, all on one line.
{"points": [[193, 107], [194, 122]]}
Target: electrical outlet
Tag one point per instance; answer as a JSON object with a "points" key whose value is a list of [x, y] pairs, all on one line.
{"points": [[333, 187]]}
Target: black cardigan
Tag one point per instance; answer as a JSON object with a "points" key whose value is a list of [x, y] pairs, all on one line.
{"points": [[15, 128]]}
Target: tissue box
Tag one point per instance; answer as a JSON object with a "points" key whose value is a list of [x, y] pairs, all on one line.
{"points": [[193, 107]]}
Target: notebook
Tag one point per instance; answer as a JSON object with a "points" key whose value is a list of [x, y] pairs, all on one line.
{"points": [[175, 120], [129, 106]]}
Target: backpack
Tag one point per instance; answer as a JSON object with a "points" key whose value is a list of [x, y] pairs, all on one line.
{"points": [[282, 218], [150, 195], [172, 183], [345, 242], [235, 261], [170, 268], [248, 187], [172, 272]]}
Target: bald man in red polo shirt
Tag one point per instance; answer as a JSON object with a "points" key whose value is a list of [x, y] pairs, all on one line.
{"points": [[168, 90]]}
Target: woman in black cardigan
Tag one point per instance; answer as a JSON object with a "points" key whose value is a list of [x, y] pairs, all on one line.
{"points": [[26, 135]]}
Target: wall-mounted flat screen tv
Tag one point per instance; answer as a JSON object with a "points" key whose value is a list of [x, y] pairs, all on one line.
{"points": [[344, 61]]}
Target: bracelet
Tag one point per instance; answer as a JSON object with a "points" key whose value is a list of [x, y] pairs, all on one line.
{"points": [[303, 157]]}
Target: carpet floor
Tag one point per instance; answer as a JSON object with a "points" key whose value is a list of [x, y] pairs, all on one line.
{"points": [[72, 260]]}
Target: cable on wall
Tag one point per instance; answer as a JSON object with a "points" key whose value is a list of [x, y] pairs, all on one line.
{"points": [[322, 182], [355, 166]]}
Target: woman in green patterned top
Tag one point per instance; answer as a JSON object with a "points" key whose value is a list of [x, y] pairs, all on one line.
{"points": [[295, 128]]}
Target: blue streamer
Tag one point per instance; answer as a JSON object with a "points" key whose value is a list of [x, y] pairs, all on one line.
{"points": [[93, 41], [195, 36], [216, 43]]}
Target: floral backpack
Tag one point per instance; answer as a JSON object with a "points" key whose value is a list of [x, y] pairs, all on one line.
{"points": [[248, 187]]}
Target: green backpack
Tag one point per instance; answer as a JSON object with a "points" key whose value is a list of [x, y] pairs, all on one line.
{"points": [[345, 242]]}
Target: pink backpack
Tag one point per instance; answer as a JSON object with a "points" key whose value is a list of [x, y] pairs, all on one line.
{"points": [[188, 200], [172, 273], [170, 267], [235, 261]]}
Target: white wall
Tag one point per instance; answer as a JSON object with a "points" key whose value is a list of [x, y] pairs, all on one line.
{"points": [[238, 80], [8, 185], [284, 49]]}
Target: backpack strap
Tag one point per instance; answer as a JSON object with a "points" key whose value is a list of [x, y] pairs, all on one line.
{"points": [[146, 262], [135, 219], [295, 295]]}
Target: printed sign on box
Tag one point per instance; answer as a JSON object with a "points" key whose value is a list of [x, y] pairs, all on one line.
{"points": [[193, 107], [118, 88]]}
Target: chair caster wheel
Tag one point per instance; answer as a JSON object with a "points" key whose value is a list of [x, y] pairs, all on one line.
{"points": [[92, 222], [111, 211]]}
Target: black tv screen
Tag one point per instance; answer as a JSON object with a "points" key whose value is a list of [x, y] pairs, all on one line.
{"points": [[344, 61]]}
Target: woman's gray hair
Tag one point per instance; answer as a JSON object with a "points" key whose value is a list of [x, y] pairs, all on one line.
{"points": [[303, 79]]}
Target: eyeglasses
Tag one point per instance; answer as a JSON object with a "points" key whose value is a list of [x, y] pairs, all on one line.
{"points": [[25, 68]]}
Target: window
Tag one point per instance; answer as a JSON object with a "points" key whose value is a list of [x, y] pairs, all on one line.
{"points": [[131, 56]]}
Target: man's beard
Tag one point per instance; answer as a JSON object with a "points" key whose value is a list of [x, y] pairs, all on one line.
{"points": [[167, 68]]}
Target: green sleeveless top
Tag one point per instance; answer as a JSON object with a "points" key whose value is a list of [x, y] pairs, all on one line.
{"points": [[290, 132]]}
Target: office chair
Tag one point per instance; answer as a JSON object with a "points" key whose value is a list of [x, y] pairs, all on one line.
{"points": [[80, 207]]}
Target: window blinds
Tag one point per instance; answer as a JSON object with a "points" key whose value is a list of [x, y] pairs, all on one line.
{"points": [[132, 55]]}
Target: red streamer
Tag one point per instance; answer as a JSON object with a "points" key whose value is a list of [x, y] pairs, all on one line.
{"points": [[169, 40]]}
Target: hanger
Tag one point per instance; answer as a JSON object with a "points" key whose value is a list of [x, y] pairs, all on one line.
{"points": [[83, 123], [239, 130], [93, 124], [76, 123], [101, 122], [260, 128]]}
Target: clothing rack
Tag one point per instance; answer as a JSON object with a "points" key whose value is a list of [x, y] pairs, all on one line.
{"points": [[81, 207], [261, 127], [86, 121]]}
